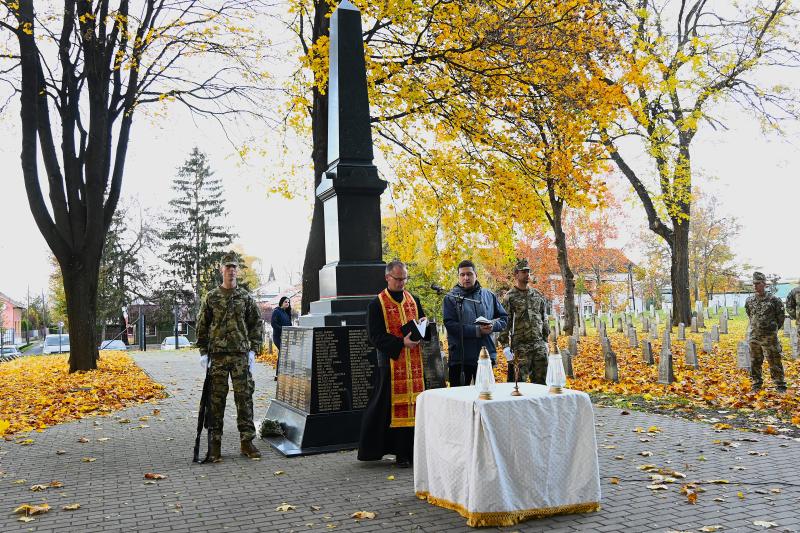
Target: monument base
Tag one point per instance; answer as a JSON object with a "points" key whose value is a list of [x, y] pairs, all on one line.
{"points": [[308, 434]]}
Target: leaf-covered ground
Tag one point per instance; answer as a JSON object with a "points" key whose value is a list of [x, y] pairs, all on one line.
{"points": [[38, 391], [716, 392]]}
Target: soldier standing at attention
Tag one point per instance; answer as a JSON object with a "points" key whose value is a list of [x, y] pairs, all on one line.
{"points": [[527, 328], [229, 333], [766, 317], [793, 303]]}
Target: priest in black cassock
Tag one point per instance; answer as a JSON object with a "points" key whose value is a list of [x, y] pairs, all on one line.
{"points": [[388, 423]]}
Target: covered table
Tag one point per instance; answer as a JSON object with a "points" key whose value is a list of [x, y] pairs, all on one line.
{"points": [[501, 461]]}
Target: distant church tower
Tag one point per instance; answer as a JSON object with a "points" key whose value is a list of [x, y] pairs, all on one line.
{"points": [[271, 277]]}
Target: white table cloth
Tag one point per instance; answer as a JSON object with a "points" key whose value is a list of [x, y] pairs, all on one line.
{"points": [[498, 462]]}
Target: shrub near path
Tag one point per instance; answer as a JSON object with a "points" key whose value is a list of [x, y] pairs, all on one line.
{"points": [[717, 385], [38, 391]]}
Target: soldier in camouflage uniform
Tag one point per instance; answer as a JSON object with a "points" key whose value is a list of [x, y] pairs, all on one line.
{"points": [[793, 304], [229, 333], [793, 310], [527, 343], [766, 317]]}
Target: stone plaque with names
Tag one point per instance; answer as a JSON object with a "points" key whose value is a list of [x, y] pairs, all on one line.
{"points": [[432, 361]]}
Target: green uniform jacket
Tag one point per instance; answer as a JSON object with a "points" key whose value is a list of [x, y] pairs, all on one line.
{"points": [[793, 302], [526, 312], [229, 321], [766, 314]]}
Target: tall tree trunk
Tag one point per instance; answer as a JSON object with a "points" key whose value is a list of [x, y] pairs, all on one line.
{"points": [[315, 249], [679, 270], [563, 262], [80, 288]]}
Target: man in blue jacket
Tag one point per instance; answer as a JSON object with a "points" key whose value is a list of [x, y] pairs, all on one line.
{"points": [[465, 302]]}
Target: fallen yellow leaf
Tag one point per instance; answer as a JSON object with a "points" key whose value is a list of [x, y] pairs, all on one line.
{"points": [[285, 507], [28, 509], [150, 475], [361, 515], [72, 507]]}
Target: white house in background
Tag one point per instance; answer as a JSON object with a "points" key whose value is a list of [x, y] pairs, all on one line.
{"points": [[614, 267]]}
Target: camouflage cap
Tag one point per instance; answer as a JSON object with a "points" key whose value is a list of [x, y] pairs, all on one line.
{"points": [[522, 264], [758, 276], [229, 258]]}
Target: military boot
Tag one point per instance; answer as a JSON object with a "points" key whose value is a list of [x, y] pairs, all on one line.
{"points": [[249, 449], [214, 454]]}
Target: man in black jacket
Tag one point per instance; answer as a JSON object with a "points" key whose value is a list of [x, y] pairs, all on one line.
{"points": [[465, 302]]}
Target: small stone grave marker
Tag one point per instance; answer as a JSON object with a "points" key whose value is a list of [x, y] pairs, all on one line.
{"points": [[573, 346], [566, 359], [694, 324], [691, 354], [715, 333], [787, 327], [723, 324], [633, 341], [647, 352], [743, 355], [681, 331], [612, 371], [708, 342], [666, 375]]}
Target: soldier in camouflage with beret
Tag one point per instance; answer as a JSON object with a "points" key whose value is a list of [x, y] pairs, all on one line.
{"points": [[766, 315], [229, 333], [525, 336]]}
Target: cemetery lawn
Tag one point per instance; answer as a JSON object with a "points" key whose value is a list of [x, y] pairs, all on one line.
{"points": [[38, 391], [717, 392]]}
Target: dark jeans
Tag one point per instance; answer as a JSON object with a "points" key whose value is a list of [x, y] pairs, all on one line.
{"points": [[455, 374]]}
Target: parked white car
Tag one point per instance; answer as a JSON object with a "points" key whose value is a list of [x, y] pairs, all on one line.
{"points": [[9, 353], [55, 344], [169, 343], [115, 344]]}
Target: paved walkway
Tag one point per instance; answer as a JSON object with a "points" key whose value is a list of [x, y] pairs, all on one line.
{"points": [[242, 495]]}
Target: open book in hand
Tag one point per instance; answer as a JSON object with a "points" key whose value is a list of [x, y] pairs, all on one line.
{"points": [[483, 321], [417, 328]]}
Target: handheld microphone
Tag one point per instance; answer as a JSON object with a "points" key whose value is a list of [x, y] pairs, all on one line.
{"points": [[438, 288]]}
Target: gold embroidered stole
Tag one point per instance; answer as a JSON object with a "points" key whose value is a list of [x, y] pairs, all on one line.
{"points": [[407, 380]]}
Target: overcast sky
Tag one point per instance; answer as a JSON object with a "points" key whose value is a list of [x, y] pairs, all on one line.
{"points": [[754, 176]]}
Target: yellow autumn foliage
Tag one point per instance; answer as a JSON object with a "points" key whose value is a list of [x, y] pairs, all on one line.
{"points": [[38, 391]]}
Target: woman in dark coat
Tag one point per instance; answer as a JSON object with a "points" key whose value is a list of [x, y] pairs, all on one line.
{"points": [[281, 316]]}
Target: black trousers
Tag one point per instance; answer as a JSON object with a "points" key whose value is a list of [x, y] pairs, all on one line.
{"points": [[455, 374]]}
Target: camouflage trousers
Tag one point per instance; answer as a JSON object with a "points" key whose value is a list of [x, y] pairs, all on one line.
{"points": [[769, 346], [235, 365], [532, 361]]}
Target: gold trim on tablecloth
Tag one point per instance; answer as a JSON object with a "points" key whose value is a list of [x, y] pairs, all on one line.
{"points": [[508, 518]]}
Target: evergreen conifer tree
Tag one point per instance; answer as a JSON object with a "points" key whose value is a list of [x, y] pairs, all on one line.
{"points": [[196, 237]]}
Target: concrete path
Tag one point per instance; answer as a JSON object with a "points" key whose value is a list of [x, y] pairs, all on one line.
{"points": [[105, 475]]}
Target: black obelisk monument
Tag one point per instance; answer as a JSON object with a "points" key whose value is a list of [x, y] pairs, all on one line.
{"points": [[326, 365]]}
